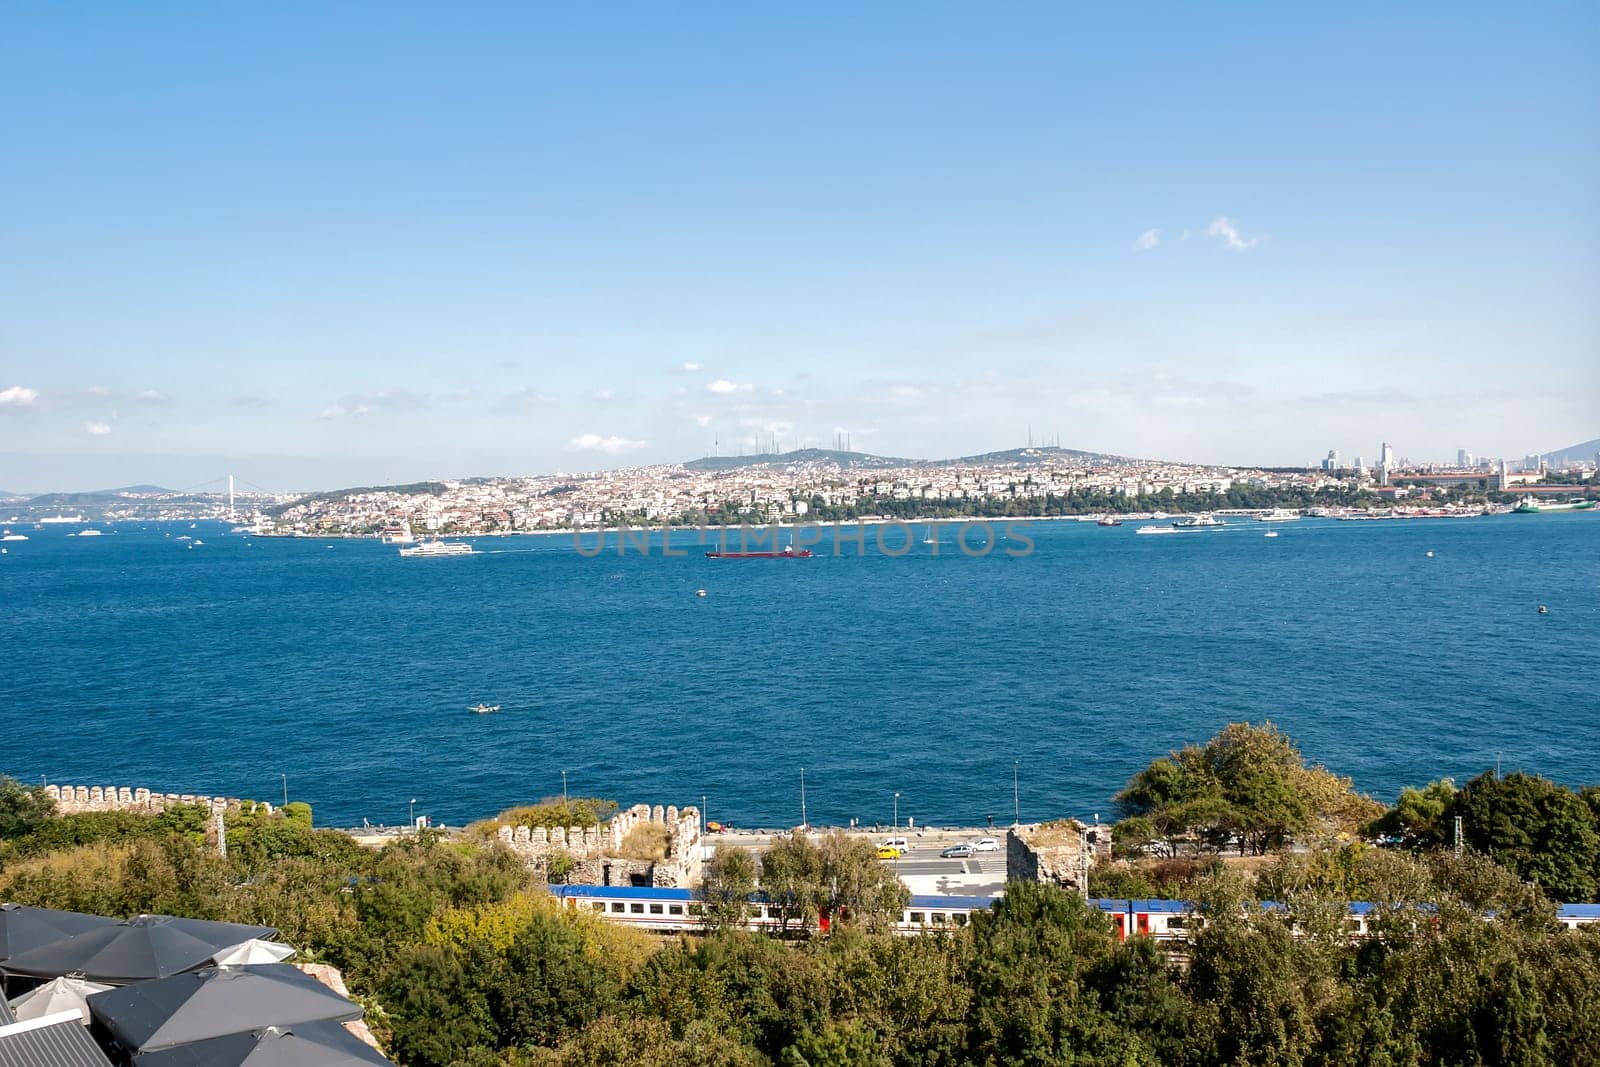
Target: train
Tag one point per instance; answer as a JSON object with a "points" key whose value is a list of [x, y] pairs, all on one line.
{"points": [[681, 911]]}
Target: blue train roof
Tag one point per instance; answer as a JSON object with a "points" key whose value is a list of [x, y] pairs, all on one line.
{"points": [[620, 892], [1579, 911], [968, 903]]}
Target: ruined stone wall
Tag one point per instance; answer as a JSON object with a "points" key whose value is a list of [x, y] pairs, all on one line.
{"points": [[72, 799], [1052, 853], [595, 848]]}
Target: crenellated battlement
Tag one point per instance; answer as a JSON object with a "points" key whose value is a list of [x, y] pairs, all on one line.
{"points": [[594, 846], [73, 799]]}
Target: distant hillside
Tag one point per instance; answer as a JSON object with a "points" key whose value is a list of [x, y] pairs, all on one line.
{"points": [[867, 461], [94, 497], [848, 460], [1584, 453], [1042, 454]]}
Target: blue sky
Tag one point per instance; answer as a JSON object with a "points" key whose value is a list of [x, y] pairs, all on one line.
{"points": [[330, 244]]}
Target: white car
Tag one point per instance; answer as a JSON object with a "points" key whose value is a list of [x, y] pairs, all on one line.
{"points": [[986, 844], [895, 842]]}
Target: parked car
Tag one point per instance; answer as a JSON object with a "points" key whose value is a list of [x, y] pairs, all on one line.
{"points": [[957, 852], [889, 852], [986, 844]]}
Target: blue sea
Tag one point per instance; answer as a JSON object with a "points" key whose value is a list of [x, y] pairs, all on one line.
{"points": [[132, 659]]}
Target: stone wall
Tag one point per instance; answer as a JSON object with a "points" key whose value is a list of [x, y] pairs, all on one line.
{"points": [[596, 848], [1054, 853], [72, 799]]}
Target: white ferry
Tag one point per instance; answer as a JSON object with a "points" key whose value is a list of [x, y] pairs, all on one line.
{"points": [[1278, 515], [90, 533], [9, 536], [1155, 530], [1195, 522], [438, 548]]}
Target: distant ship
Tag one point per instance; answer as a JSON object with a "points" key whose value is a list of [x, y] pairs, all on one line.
{"points": [[396, 535], [1109, 521], [1278, 515], [787, 552], [438, 548], [1194, 522], [62, 520], [9, 536], [484, 709], [89, 533], [1529, 506], [1155, 530]]}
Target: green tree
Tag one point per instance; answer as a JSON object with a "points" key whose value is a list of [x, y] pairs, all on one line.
{"points": [[1420, 817], [23, 809], [728, 882], [1542, 831]]}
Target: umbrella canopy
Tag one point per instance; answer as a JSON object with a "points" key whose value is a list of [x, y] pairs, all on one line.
{"points": [[56, 995], [215, 1001], [133, 950], [322, 1044], [253, 951], [23, 928]]}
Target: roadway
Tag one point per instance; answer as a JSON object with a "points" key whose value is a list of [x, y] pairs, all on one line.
{"points": [[921, 868]]}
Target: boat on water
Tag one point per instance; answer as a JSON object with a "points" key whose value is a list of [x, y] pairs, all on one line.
{"points": [[483, 709], [1155, 530], [396, 535], [9, 536], [1270, 533], [437, 547], [62, 520], [1530, 506], [1109, 521], [1197, 522], [787, 552], [1278, 515], [91, 533]]}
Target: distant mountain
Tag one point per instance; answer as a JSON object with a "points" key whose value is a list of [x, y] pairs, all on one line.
{"points": [[1584, 453], [1042, 454], [848, 460], [866, 461], [93, 497]]}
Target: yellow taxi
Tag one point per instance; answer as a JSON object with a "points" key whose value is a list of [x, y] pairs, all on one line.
{"points": [[890, 852]]}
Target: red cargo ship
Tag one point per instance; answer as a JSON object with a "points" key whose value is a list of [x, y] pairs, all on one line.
{"points": [[789, 552]]}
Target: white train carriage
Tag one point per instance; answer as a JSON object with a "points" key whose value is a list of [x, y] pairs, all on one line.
{"points": [[679, 910]]}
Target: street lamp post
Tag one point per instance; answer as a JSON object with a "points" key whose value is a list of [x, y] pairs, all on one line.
{"points": [[897, 811], [563, 789], [285, 778], [705, 823], [1016, 795], [413, 814]]}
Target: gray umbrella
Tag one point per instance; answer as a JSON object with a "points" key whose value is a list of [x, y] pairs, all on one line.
{"points": [[23, 928], [215, 1001], [322, 1044], [133, 950]]}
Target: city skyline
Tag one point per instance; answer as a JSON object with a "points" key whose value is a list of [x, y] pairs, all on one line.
{"points": [[428, 244]]}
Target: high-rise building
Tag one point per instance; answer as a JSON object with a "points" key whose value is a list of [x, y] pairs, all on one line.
{"points": [[1386, 456], [1463, 458], [1332, 462]]}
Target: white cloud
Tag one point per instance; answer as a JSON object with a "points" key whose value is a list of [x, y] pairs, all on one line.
{"points": [[702, 420], [613, 445], [1147, 240], [723, 387], [604, 396], [151, 396], [1226, 230], [342, 411], [691, 368], [96, 429], [18, 396]]}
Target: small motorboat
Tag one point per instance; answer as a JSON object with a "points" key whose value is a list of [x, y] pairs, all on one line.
{"points": [[1543, 610], [699, 592], [484, 709], [1270, 533]]}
